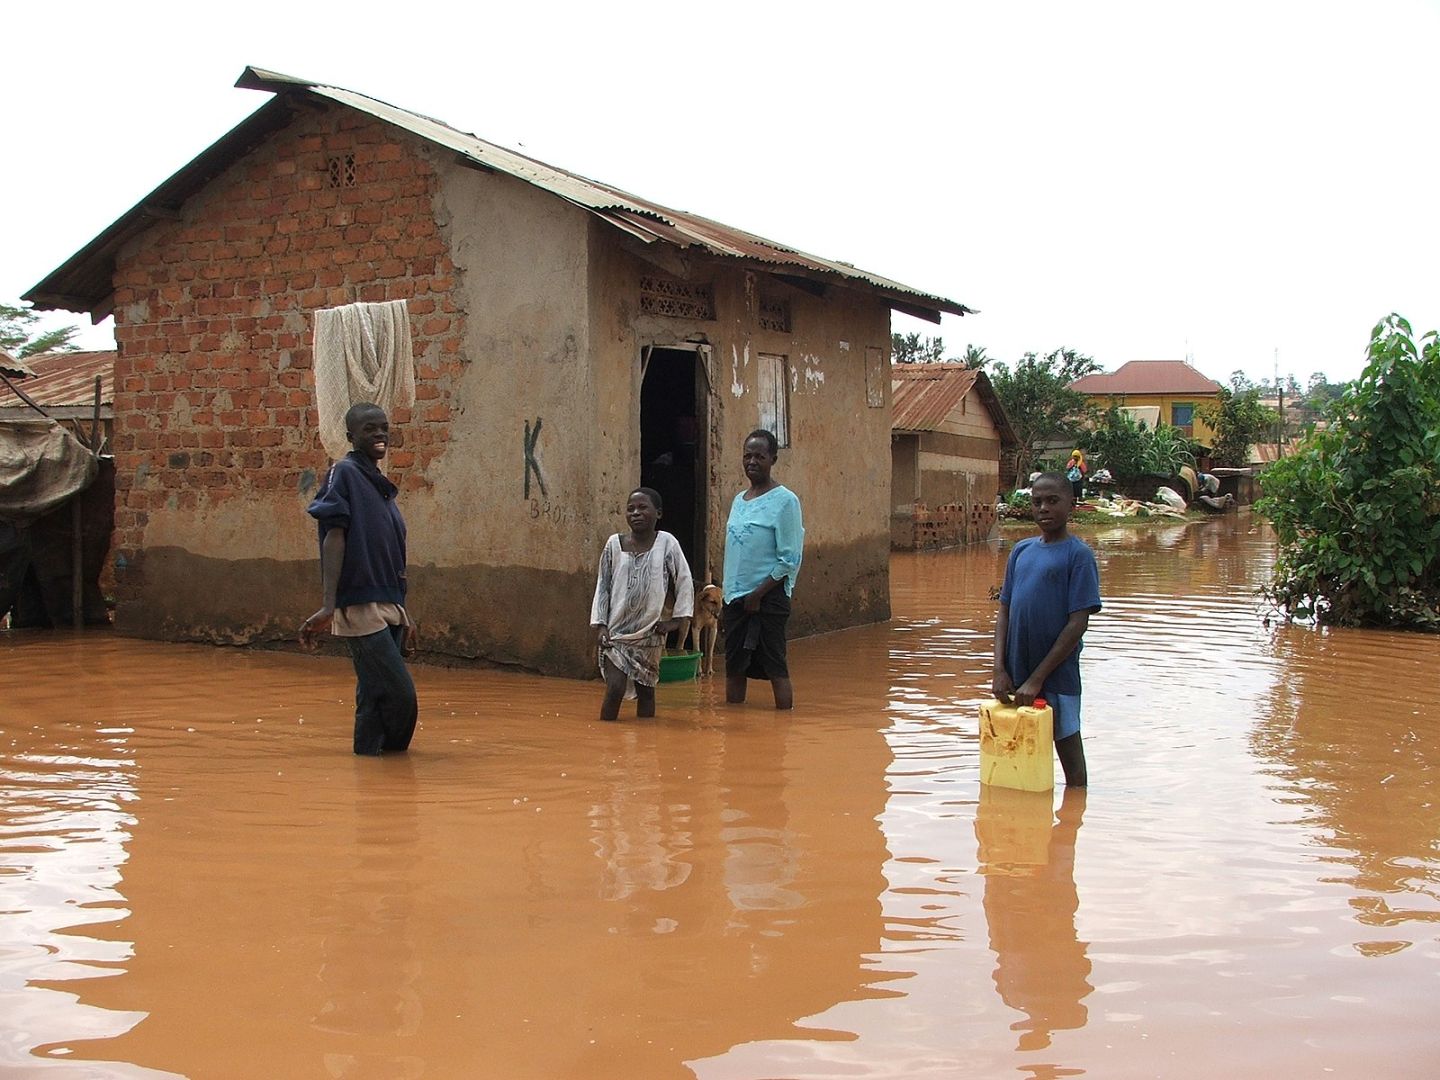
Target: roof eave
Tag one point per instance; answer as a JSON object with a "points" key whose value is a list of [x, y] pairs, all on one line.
{"points": [[85, 281], [76, 284]]}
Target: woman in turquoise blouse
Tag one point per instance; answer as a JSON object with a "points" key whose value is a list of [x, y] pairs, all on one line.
{"points": [[763, 542]]}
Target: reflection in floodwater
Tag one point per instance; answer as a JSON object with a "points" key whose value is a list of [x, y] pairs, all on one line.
{"points": [[66, 799], [369, 967], [731, 893], [1030, 902]]}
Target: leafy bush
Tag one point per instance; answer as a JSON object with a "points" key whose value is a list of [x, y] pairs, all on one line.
{"points": [[1357, 508], [1239, 420], [1168, 449], [1116, 443], [1128, 448]]}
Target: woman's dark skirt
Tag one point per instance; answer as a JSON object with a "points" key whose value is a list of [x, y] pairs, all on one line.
{"points": [[755, 642]]}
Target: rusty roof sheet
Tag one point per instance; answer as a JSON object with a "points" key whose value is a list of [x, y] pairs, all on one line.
{"points": [[66, 379], [1149, 377], [1269, 453], [14, 366], [923, 395], [80, 281]]}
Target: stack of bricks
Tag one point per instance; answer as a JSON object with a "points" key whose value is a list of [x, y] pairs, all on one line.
{"points": [[952, 524], [214, 317]]}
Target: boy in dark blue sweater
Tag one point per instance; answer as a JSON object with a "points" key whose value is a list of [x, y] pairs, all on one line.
{"points": [[362, 571]]}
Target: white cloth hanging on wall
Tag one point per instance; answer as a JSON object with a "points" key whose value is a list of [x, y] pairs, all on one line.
{"points": [[362, 353]]}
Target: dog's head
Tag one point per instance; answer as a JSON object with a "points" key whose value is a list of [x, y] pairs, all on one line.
{"points": [[709, 599]]}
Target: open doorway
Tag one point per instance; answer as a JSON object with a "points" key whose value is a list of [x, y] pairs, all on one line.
{"points": [[673, 421]]}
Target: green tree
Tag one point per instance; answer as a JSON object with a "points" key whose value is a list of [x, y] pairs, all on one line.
{"points": [[1238, 420], [1117, 442], [975, 357], [914, 349], [1038, 400], [1357, 507], [1320, 392], [17, 336]]}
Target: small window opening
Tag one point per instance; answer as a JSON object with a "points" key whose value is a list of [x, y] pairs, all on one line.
{"points": [[663, 295], [342, 171], [774, 315]]}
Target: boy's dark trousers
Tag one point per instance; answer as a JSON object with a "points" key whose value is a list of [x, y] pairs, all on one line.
{"points": [[385, 705]]}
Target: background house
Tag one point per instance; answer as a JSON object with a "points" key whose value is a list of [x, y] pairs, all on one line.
{"points": [[947, 437], [63, 384], [57, 488], [1171, 387], [570, 341]]}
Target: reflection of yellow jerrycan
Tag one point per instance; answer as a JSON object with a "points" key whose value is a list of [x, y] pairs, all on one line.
{"points": [[1017, 745], [1013, 830]]}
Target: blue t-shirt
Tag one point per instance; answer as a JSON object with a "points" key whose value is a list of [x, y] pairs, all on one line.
{"points": [[1044, 585], [764, 538]]}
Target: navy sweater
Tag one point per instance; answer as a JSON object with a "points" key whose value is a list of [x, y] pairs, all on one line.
{"points": [[356, 497]]}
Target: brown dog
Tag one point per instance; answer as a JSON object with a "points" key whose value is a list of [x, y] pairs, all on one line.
{"points": [[705, 625]]}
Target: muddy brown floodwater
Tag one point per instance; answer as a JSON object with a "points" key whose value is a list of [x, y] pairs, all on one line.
{"points": [[197, 879]]}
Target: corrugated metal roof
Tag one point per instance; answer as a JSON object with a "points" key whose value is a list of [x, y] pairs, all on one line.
{"points": [[923, 395], [77, 282], [14, 366], [1149, 377], [66, 379], [1269, 453]]}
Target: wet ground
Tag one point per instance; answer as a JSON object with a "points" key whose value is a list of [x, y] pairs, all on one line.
{"points": [[197, 879]]}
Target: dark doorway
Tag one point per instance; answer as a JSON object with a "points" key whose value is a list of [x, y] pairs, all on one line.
{"points": [[672, 424]]}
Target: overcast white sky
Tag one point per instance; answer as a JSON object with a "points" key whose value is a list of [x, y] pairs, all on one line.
{"points": [[1135, 180]]}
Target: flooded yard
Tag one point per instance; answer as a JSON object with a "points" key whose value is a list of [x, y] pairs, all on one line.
{"points": [[197, 879]]}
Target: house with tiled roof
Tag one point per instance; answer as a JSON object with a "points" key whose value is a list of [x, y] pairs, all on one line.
{"points": [[1166, 391]]}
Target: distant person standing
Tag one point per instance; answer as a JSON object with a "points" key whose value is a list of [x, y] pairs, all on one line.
{"points": [[764, 539], [362, 572], [1075, 473], [1052, 587]]}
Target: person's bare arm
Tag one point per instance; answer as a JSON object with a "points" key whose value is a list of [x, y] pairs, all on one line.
{"points": [[332, 557], [1064, 645], [1001, 685]]}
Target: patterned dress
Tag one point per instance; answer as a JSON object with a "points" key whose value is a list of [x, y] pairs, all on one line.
{"points": [[630, 593]]}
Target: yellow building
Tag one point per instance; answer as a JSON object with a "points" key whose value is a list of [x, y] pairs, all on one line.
{"points": [[1167, 391]]}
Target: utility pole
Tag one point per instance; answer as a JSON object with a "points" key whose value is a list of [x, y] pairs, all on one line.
{"points": [[1280, 405]]}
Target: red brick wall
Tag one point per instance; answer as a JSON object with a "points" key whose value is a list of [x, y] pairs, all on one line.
{"points": [[214, 394]]}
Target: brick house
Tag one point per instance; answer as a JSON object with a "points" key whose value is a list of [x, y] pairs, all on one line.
{"points": [[570, 341]]}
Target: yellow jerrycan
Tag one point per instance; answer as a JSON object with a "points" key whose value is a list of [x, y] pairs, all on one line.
{"points": [[1017, 746]]}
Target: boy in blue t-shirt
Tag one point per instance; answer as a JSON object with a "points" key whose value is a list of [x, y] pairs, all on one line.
{"points": [[1052, 587]]}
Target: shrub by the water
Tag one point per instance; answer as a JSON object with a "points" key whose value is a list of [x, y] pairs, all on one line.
{"points": [[1357, 507], [1127, 447]]}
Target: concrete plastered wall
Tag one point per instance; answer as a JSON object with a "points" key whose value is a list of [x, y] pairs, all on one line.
{"points": [[838, 462], [501, 548], [959, 463]]}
